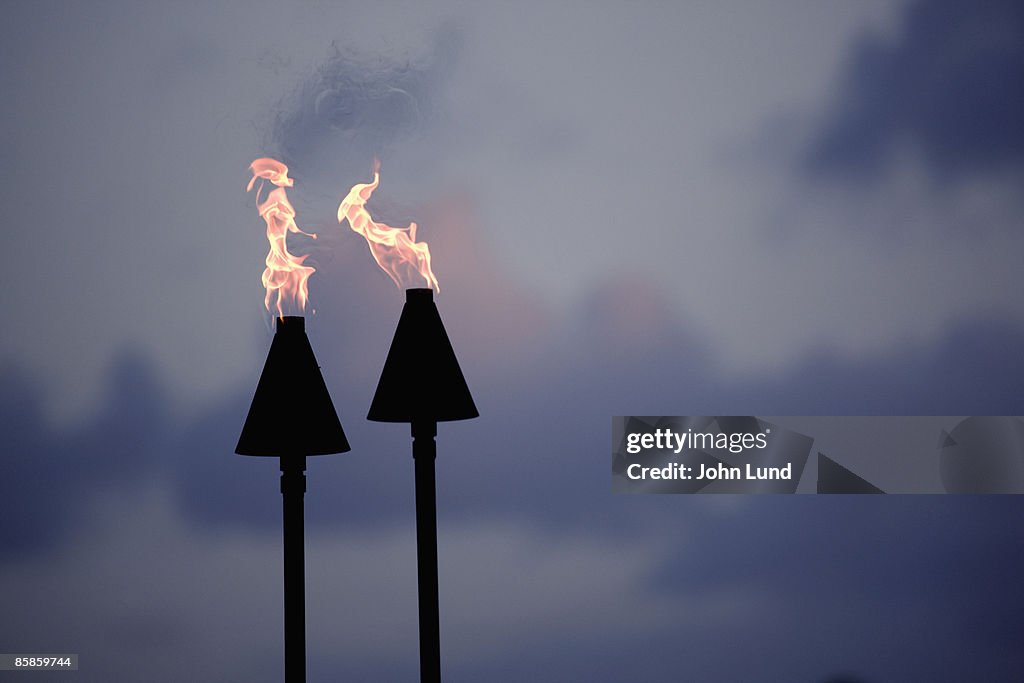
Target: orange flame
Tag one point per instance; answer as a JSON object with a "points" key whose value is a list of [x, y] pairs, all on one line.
{"points": [[285, 277], [395, 249]]}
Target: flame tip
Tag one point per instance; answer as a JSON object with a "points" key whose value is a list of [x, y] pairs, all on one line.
{"points": [[395, 250]]}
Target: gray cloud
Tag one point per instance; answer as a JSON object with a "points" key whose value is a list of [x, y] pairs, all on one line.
{"points": [[951, 84]]}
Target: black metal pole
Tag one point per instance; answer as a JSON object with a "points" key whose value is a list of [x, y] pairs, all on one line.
{"points": [[293, 489], [424, 452]]}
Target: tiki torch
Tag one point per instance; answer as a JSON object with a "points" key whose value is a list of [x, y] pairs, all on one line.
{"points": [[291, 415], [422, 384]]}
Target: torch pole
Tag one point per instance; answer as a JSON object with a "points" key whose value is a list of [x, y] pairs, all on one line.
{"points": [[293, 489], [424, 452]]}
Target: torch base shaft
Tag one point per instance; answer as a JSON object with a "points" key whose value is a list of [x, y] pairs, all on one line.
{"points": [[293, 490], [424, 452]]}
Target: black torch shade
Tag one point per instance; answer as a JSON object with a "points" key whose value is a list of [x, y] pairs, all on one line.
{"points": [[291, 414], [421, 379]]}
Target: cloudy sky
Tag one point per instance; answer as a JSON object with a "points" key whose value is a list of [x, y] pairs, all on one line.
{"points": [[633, 209]]}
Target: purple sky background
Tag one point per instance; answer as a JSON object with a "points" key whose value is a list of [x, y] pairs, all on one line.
{"points": [[658, 208]]}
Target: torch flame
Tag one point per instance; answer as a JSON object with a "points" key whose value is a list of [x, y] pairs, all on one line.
{"points": [[285, 277], [395, 249]]}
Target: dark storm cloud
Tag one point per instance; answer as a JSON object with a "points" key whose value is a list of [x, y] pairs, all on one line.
{"points": [[975, 369], [809, 570], [50, 474], [951, 85], [486, 468], [852, 564]]}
